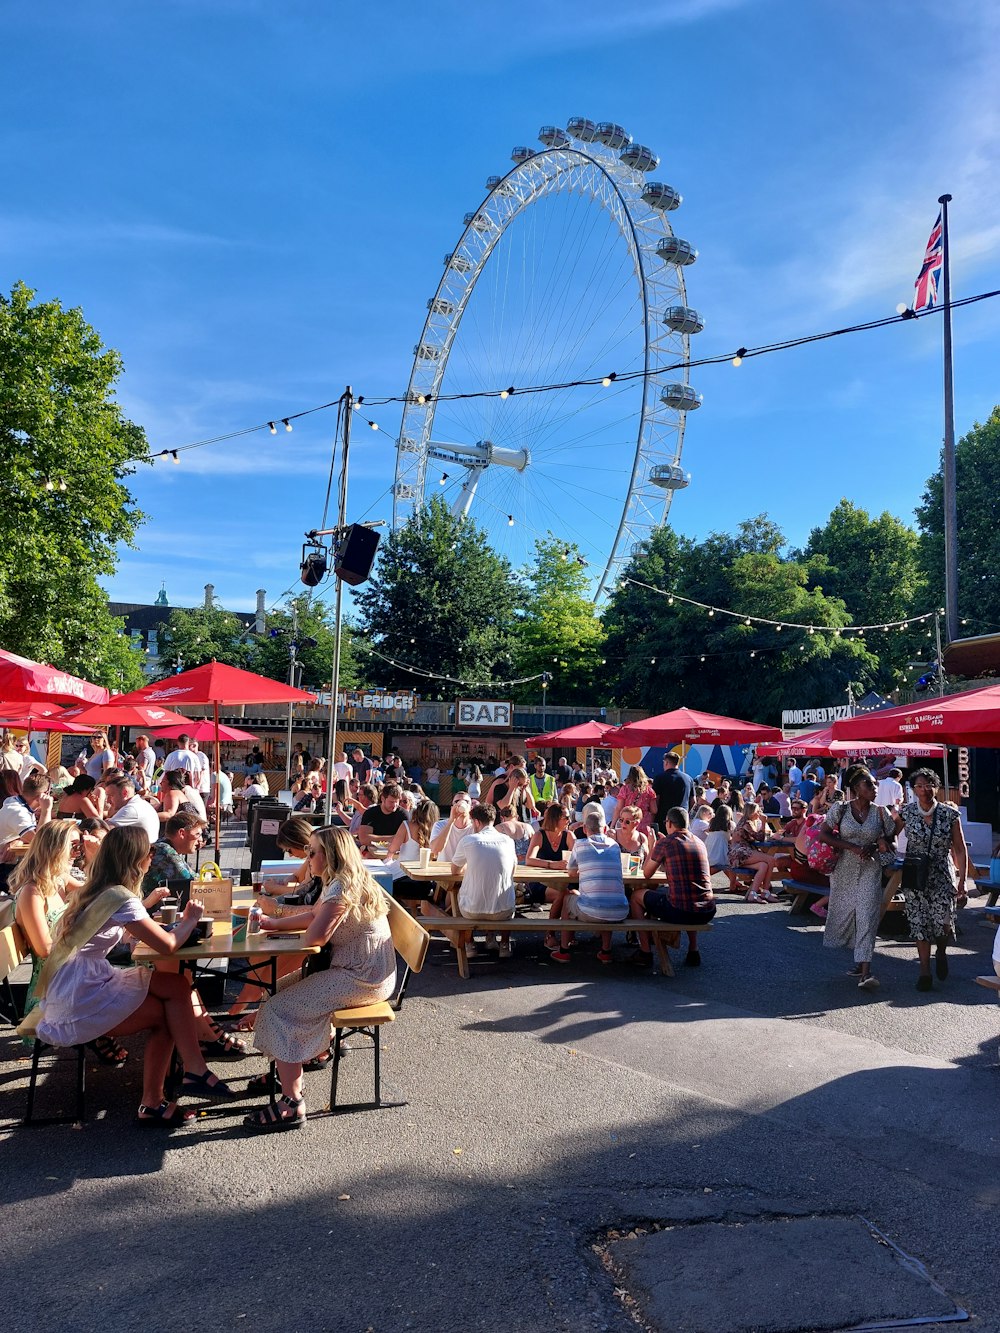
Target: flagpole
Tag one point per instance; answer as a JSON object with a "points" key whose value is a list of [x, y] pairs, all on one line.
{"points": [[950, 506]]}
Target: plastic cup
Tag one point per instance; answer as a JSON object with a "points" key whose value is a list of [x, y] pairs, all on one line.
{"points": [[425, 857], [626, 862], [168, 913]]}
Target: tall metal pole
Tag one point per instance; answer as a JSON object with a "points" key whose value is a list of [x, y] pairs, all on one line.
{"points": [[331, 741], [950, 504], [940, 676], [292, 651]]}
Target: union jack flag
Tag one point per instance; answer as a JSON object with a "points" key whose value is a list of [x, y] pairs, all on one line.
{"points": [[926, 288]]}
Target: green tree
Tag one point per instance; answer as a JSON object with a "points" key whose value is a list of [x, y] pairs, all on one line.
{"points": [[666, 654], [204, 634], [65, 448], [873, 566], [301, 619], [977, 501], [559, 630], [442, 600]]}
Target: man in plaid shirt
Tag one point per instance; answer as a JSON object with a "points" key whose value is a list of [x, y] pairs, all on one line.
{"points": [[686, 899]]}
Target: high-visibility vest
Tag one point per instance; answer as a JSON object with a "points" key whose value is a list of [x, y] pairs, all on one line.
{"points": [[547, 792]]}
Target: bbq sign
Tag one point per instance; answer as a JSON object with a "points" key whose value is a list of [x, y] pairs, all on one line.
{"points": [[492, 713]]}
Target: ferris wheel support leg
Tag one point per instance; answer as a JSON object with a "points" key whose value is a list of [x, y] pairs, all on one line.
{"points": [[463, 502]]}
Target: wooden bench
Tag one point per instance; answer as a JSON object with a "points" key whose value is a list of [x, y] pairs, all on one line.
{"points": [[802, 893], [11, 956], [661, 931], [991, 983]]}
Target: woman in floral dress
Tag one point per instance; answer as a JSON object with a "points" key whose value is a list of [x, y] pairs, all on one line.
{"points": [[933, 830]]}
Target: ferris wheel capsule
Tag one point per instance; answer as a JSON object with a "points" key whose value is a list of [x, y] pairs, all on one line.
{"points": [[426, 352], [497, 185], [581, 128], [437, 305], [681, 397], [614, 136], [477, 221], [663, 197], [670, 476], [521, 154], [458, 263], [673, 250], [553, 137], [682, 319], [639, 157]]}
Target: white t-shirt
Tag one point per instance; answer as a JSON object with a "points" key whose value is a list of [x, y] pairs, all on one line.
{"points": [[146, 759], [15, 819], [343, 771], [139, 813], [204, 781], [181, 759], [455, 836], [609, 804], [890, 792], [489, 858], [717, 846], [699, 827]]}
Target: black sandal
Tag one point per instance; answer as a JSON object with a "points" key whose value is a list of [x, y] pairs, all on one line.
{"points": [[272, 1116], [261, 1085], [318, 1062], [197, 1085], [108, 1051], [156, 1117], [224, 1046]]}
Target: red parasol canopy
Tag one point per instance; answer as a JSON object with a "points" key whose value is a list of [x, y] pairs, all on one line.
{"points": [[584, 733], [42, 717], [823, 742], [205, 731], [124, 715], [688, 724], [972, 718], [215, 683], [25, 682]]}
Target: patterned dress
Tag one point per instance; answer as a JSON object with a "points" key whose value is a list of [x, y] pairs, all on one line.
{"points": [[855, 907], [294, 1025], [54, 908], [931, 914]]}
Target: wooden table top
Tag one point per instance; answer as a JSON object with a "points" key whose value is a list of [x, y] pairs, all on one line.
{"points": [[223, 945], [446, 870]]}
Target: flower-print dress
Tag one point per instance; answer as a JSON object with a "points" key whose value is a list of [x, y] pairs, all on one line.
{"points": [[855, 907], [931, 914]]}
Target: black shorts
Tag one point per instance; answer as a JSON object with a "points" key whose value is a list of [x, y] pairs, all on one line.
{"points": [[412, 890], [658, 905]]}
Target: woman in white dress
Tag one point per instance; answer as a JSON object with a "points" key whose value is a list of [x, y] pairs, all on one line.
{"points": [[294, 1025], [81, 996]]}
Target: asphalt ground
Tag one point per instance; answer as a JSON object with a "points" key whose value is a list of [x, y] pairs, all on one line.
{"points": [[549, 1112]]}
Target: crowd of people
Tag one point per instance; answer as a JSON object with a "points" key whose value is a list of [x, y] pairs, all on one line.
{"points": [[99, 842]]}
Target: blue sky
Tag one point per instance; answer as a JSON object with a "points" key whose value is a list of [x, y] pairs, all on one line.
{"points": [[252, 202]]}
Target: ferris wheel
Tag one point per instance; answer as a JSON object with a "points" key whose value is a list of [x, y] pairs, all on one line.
{"points": [[568, 270]]}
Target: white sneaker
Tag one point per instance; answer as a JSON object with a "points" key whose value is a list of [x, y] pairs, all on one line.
{"points": [[505, 951]]}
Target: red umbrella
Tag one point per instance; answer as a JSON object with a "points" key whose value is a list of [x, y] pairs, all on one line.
{"points": [[687, 724], [215, 683], [823, 742], [205, 731], [972, 718], [584, 733], [42, 717], [25, 682], [125, 715]]}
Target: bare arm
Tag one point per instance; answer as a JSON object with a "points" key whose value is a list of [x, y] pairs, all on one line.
{"points": [[31, 919], [399, 839], [960, 854], [168, 941], [531, 859], [327, 918]]}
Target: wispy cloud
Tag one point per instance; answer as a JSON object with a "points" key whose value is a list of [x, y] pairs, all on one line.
{"points": [[22, 235]]}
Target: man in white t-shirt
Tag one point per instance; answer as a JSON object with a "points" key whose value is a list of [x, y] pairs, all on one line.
{"points": [[21, 815], [487, 887], [204, 782], [890, 790], [183, 757], [794, 777], [130, 809], [145, 757], [343, 772], [448, 833]]}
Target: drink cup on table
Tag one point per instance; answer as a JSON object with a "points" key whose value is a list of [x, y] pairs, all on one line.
{"points": [[425, 857], [168, 911]]}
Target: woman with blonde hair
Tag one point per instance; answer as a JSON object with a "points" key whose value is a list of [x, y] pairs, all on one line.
{"points": [[357, 966], [81, 996], [406, 844], [637, 790], [40, 882]]}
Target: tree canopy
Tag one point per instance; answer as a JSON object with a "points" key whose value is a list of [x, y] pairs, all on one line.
{"points": [[977, 501], [301, 619], [558, 630], [441, 600], [65, 449]]}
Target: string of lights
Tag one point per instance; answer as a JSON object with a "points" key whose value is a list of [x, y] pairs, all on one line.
{"points": [[735, 358], [766, 621], [452, 680]]}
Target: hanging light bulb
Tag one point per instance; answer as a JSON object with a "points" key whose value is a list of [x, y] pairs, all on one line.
{"points": [[811, 630], [747, 621], [652, 661], [670, 601], [421, 399], [711, 610], [50, 485], [62, 484], [565, 554], [753, 652], [608, 380], [444, 478], [373, 425], [272, 428], [777, 629], [702, 658], [174, 457], [510, 520], [740, 354], [286, 423]]}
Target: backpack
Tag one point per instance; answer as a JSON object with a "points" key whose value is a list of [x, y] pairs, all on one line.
{"points": [[819, 855]]}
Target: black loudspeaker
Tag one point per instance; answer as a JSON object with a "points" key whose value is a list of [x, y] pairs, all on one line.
{"points": [[356, 553]]}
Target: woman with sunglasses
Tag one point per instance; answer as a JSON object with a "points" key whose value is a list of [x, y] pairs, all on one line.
{"points": [[628, 835]]}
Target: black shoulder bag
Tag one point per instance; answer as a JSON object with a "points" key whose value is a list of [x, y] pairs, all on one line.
{"points": [[917, 866]]}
